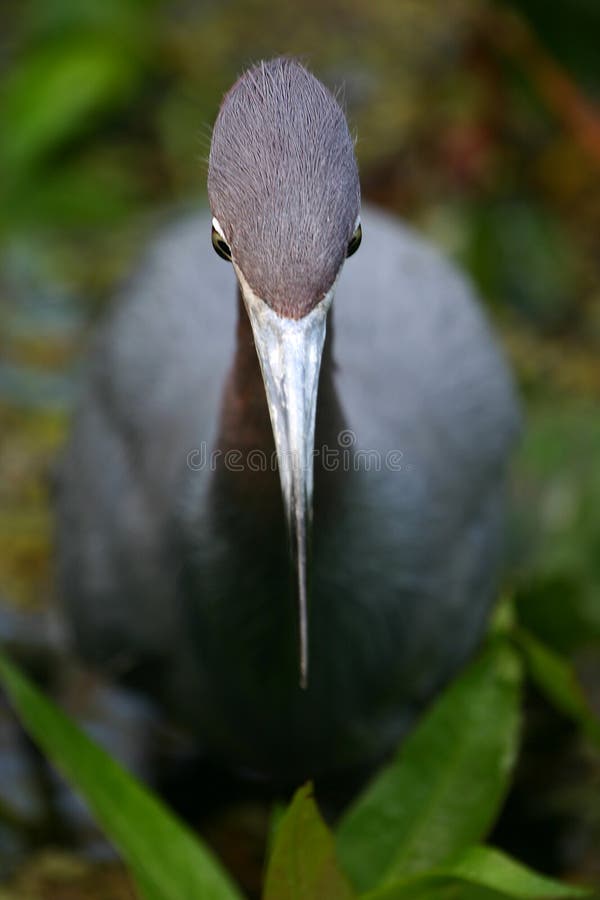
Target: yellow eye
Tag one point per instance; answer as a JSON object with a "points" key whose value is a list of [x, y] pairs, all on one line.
{"points": [[221, 246], [354, 241]]}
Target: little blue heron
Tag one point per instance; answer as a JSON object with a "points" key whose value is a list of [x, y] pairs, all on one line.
{"points": [[294, 617]]}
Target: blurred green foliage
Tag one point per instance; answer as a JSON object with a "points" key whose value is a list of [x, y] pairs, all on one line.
{"points": [[73, 68], [479, 124], [570, 30]]}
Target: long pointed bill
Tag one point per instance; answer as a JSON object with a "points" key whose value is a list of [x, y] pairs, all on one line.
{"points": [[289, 352]]}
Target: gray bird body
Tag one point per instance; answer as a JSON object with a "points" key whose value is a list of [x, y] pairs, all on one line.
{"points": [[174, 567]]}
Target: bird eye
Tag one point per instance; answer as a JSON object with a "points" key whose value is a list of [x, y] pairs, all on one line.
{"points": [[220, 245], [354, 241]]}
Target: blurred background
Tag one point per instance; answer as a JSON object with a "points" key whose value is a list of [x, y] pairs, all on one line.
{"points": [[477, 121]]}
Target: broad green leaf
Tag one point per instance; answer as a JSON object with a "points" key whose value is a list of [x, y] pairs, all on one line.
{"points": [[147, 890], [479, 868], [303, 865], [277, 815], [443, 790], [556, 679], [168, 861], [54, 94]]}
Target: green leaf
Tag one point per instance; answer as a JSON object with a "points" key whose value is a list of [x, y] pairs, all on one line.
{"points": [[276, 818], [167, 860], [303, 864], [146, 889], [443, 790], [480, 867], [558, 682]]}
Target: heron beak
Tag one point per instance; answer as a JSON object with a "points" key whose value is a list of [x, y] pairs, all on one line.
{"points": [[289, 352]]}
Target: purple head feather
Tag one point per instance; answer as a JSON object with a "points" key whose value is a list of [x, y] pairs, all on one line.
{"points": [[283, 184]]}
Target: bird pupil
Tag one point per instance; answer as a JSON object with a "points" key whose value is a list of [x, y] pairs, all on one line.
{"points": [[354, 242], [221, 247]]}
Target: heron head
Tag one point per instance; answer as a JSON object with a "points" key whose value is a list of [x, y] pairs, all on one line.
{"points": [[283, 185]]}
